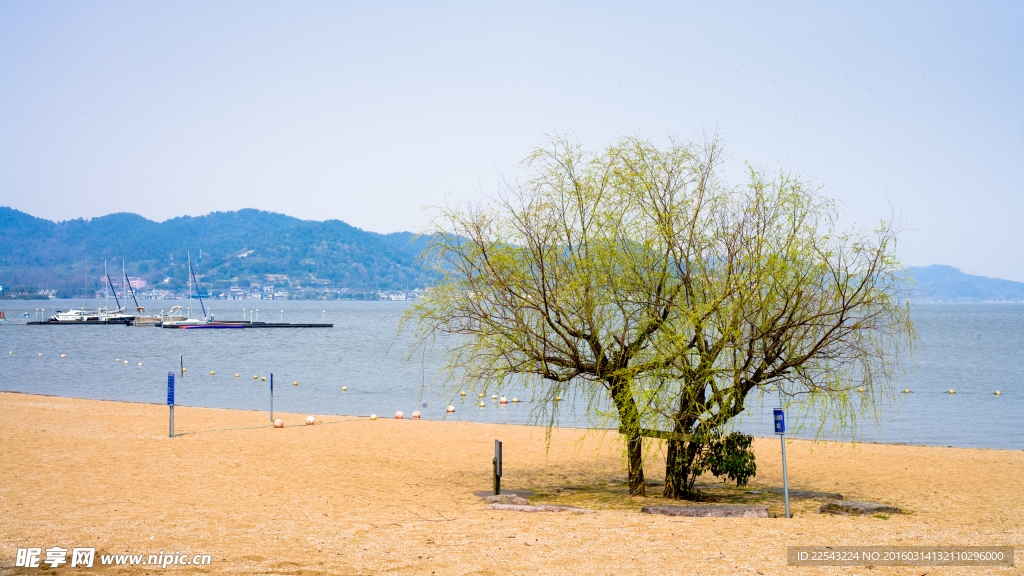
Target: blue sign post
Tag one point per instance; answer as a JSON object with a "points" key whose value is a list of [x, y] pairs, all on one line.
{"points": [[170, 399], [780, 429]]}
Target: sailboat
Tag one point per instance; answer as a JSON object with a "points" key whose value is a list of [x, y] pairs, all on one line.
{"points": [[190, 322]]}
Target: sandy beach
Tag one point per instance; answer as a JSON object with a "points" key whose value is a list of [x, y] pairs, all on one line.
{"points": [[355, 496]]}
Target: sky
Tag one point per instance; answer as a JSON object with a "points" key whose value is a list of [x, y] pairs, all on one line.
{"points": [[370, 112]]}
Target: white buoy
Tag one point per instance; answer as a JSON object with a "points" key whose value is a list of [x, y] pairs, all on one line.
{"points": [[373, 416], [310, 420], [399, 415], [494, 397], [278, 423], [503, 400], [63, 356], [451, 408], [415, 413], [514, 400]]}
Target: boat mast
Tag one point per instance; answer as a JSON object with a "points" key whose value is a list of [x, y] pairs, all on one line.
{"points": [[106, 297], [190, 284]]}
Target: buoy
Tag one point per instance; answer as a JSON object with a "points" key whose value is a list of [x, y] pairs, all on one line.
{"points": [[503, 400], [494, 397], [278, 423], [462, 393], [399, 415], [12, 352], [515, 400], [42, 354], [373, 416], [127, 362], [860, 389], [118, 360], [255, 377], [310, 420], [344, 388], [480, 395], [451, 408], [183, 369], [236, 374], [63, 356], [906, 390], [140, 363], [558, 398], [211, 372], [998, 393], [951, 391], [415, 413], [296, 383], [482, 405], [264, 379], [773, 388]]}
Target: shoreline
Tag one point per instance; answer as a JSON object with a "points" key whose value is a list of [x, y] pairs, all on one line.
{"points": [[825, 441], [364, 496]]}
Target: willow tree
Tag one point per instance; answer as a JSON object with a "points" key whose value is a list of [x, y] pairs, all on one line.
{"points": [[635, 276]]}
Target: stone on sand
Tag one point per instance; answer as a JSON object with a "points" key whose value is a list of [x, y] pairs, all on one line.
{"points": [[710, 511], [857, 507]]}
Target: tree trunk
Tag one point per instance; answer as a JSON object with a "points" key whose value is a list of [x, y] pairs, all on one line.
{"points": [[678, 464], [635, 452], [629, 425]]}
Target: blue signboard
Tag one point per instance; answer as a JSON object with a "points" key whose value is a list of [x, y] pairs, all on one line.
{"points": [[780, 421], [170, 388]]}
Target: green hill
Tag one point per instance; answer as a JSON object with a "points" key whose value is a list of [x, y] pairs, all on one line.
{"points": [[238, 249]]}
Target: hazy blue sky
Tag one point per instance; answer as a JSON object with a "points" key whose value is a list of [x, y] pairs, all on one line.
{"points": [[368, 112]]}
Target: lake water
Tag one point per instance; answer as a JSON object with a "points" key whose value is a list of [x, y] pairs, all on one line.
{"points": [[975, 349]]}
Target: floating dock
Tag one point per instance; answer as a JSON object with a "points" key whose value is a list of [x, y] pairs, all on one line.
{"points": [[245, 324], [108, 321]]}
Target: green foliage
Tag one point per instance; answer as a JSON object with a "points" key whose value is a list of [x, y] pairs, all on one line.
{"points": [[731, 457]]}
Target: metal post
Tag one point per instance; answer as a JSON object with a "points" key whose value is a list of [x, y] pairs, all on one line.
{"points": [[497, 467], [170, 401], [181, 360], [271, 396], [785, 478]]}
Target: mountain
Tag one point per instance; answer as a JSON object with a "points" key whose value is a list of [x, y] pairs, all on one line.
{"points": [[938, 283], [238, 249]]}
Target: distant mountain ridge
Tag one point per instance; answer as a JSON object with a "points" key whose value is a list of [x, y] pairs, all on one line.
{"points": [[939, 283], [254, 247], [239, 247]]}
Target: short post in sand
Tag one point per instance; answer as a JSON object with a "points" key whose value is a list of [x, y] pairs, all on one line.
{"points": [[271, 396], [780, 429], [170, 400], [497, 467], [181, 362]]}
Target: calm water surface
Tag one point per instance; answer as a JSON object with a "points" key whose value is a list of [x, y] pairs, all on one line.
{"points": [[972, 348]]}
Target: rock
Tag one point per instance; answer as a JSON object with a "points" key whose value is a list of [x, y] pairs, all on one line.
{"points": [[857, 507], [710, 511], [505, 499], [799, 493], [520, 493], [537, 508]]}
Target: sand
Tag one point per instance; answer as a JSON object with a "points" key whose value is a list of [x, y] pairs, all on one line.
{"points": [[354, 496]]}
